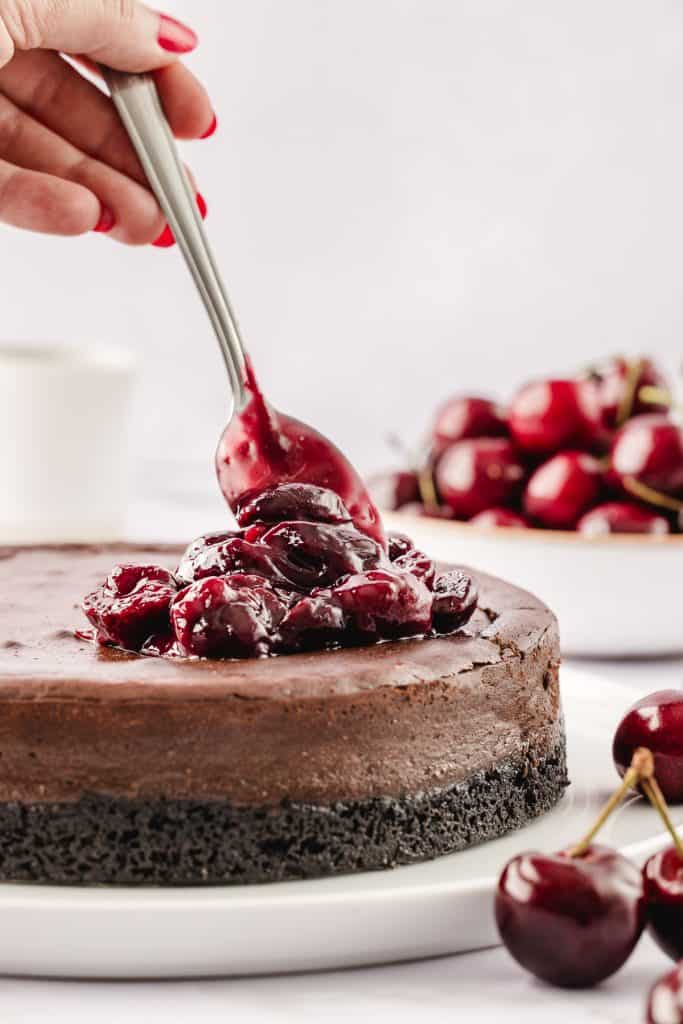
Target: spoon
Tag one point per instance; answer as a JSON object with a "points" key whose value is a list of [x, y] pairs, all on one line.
{"points": [[260, 447]]}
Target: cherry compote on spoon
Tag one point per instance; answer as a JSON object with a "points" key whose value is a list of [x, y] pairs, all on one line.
{"points": [[574, 917]]}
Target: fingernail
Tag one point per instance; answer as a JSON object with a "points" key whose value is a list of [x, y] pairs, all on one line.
{"points": [[106, 221], [166, 239], [175, 37], [211, 129]]}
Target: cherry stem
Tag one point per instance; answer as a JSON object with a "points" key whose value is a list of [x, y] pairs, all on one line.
{"points": [[641, 767], [652, 395], [658, 801], [427, 488], [650, 496], [634, 370]]}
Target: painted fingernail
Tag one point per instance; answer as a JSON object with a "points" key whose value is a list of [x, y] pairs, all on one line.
{"points": [[175, 37], [211, 129], [106, 221], [165, 239]]}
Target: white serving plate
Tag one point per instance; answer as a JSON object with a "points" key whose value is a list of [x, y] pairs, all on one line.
{"points": [[444, 906], [615, 596]]}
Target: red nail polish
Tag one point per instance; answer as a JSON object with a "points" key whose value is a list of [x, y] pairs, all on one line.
{"points": [[106, 221], [201, 204], [211, 129], [165, 239], [175, 37]]}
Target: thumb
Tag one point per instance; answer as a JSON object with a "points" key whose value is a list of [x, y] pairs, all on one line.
{"points": [[124, 34]]}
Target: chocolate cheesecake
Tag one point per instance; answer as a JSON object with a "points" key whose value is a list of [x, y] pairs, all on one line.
{"points": [[121, 768]]}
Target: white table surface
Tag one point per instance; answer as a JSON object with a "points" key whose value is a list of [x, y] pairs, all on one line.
{"points": [[486, 987]]}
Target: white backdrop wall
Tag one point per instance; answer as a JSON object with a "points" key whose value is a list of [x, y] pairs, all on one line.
{"points": [[408, 197]]}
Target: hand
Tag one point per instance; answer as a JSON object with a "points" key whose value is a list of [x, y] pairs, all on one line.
{"points": [[66, 165]]}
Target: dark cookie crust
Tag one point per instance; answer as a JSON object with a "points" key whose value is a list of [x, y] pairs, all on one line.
{"points": [[108, 840]]}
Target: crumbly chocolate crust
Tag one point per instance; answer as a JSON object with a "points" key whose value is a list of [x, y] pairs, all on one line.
{"points": [[102, 840]]}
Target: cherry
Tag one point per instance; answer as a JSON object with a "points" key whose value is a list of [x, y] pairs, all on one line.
{"points": [[464, 417], [455, 599], [261, 448], [385, 603], [232, 555], [398, 544], [418, 564], [655, 722], [619, 382], [474, 475], [570, 920], [314, 621], [649, 449], [621, 517], [318, 554], [665, 1002], [227, 617], [491, 517], [131, 605], [548, 415], [663, 884], [562, 489], [293, 501], [392, 491]]}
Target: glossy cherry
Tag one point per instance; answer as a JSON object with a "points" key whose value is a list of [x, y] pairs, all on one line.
{"points": [[464, 417], [665, 1001], [572, 921], [619, 382], [261, 448], [392, 491], [562, 489], [655, 722], [455, 599], [132, 604], [477, 474], [663, 884], [491, 517], [548, 415], [649, 449], [621, 517]]}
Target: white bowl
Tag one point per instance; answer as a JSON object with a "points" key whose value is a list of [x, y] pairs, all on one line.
{"points": [[619, 595]]}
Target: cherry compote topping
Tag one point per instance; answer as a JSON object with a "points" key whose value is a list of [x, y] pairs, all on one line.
{"points": [[663, 881], [261, 449], [655, 722], [562, 489], [572, 921], [548, 415], [621, 517], [474, 475], [309, 581], [665, 1002]]}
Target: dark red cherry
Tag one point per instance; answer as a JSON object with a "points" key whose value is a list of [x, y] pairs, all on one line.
{"points": [[491, 517], [454, 602], [621, 517], [572, 921], [231, 616], [391, 491], [464, 417], [131, 605], [419, 565], [548, 415], [314, 621], [665, 1001], [616, 377], [195, 552], [663, 883], [398, 544], [562, 489], [292, 501], [650, 449], [385, 603], [655, 722], [474, 475], [233, 555], [317, 554]]}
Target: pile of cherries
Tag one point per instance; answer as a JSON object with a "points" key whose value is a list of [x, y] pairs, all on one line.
{"points": [[601, 453], [297, 575], [573, 918]]}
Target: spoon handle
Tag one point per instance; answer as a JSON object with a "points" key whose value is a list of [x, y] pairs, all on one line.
{"points": [[137, 102]]}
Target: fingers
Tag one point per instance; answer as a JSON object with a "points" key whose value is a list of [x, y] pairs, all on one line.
{"points": [[54, 93], [124, 34], [134, 216], [41, 202]]}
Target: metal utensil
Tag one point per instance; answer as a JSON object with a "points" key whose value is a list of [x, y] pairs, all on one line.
{"points": [[137, 102]]}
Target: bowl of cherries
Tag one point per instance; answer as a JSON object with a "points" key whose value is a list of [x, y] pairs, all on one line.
{"points": [[574, 490]]}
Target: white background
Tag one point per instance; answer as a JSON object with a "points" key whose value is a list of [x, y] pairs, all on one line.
{"points": [[408, 197]]}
